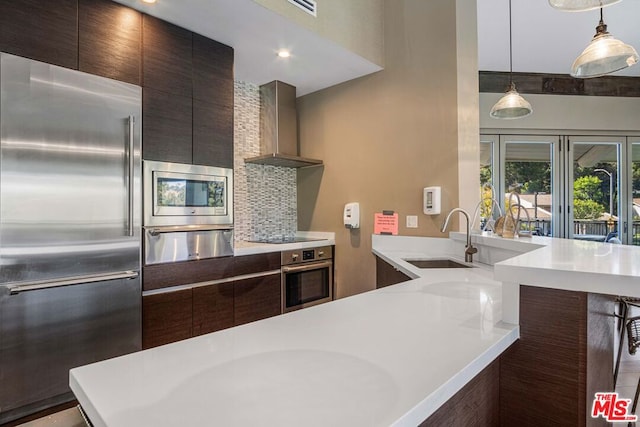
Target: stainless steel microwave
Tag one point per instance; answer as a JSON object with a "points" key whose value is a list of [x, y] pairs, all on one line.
{"points": [[181, 194]]}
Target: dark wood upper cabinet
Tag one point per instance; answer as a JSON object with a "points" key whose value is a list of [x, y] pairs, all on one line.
{"points": [[212, 133], [166, 126], [212, 71], [46, 31], [166, 318], [110, 38], [166, 57], [212, 308], [212, 103], [256, 299]]}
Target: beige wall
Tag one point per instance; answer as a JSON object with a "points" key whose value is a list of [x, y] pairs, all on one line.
{"points": [[384, 137], [353, 24]]}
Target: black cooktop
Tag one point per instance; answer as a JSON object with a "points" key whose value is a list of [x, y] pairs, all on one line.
{"points": [[283, 240]]}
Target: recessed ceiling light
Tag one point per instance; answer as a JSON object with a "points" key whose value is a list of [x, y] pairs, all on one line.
{"points": [[283, 53], [149, 1]]}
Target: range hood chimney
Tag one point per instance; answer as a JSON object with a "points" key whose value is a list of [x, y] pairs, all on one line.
{"points": [[279, 128]]}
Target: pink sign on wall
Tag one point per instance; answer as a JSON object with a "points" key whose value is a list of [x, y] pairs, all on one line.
{"points": [[385, 223]]}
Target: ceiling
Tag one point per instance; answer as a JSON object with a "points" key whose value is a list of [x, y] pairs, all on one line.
{"points": [[546, 40], [256, 34]]}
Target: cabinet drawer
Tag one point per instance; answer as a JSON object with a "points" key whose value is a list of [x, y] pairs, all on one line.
{"points": [[183, 273], [250, 264]]}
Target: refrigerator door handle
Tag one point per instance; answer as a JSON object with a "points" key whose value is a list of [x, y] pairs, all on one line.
{"points": [[131, 165], [15, 289]]}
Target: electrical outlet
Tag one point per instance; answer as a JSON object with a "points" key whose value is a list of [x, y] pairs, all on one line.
{"points": [[412, 221]]}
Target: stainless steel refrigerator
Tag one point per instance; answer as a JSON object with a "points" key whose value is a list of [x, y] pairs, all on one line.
{"points": [[70, 155]]}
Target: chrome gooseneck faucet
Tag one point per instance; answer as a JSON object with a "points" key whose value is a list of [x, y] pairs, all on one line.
{"points": [[468, 249]]}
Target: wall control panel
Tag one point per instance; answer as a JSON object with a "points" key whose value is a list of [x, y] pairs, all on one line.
{"points": [[431, 200]]}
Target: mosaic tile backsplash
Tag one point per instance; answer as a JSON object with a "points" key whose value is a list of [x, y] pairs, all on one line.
{"points": [[264, 196]]}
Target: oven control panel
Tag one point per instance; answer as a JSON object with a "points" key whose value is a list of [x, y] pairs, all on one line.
{"points": [[299, 256]]}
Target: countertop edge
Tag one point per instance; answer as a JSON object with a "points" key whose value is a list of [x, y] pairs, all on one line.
{"points": [[427, 407]]}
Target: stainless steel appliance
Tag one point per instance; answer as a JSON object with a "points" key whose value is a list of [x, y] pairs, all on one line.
{"points": [[181, 194], [307, 277], [188, 212], [183, 243], [279, 128], [70, 218]]}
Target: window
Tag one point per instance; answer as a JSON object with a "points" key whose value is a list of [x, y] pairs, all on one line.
{"points": [[583, 187]]}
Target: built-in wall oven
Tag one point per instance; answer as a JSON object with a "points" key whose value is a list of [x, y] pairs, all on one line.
{"points": [[188, 212], [307, 277]]}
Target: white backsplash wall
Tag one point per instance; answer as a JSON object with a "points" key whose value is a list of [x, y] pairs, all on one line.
{"points": [[265, 197]]}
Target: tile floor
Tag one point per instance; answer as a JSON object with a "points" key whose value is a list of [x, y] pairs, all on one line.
{"points": [[68, 418], [628, 375]]}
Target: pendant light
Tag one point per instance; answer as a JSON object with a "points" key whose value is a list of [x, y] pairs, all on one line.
{"points": [[580, 5], [511, 105], [604, 55]]}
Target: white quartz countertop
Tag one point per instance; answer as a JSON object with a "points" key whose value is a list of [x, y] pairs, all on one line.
{"points": [[574, 265], [386, 357]]}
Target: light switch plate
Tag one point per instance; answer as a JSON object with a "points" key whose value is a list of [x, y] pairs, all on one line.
{"points": [[412, 221]]}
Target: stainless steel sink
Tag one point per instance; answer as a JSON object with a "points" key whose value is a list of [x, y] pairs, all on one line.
{"points": [[436, 263]]}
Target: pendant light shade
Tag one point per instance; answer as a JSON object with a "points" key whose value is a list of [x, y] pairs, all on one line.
{"points": [[580, 5], [511, 106], [604, 55]]}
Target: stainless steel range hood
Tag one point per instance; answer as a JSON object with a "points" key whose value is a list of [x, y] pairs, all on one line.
{"points": [[279, 128]]}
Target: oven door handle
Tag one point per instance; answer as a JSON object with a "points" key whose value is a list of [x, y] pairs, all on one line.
{"points": [[307, 267]]}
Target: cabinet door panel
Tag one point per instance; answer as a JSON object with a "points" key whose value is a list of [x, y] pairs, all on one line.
{"points": [[387, 275], [46, 31], [212, 308], [212, 70], [166, 57], [212, 133], [166, 318], [212, 103], [166, 126], [257, 298], [110, 37]]}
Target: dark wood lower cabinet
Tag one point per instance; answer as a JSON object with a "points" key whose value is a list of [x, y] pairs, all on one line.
{"points": [[176, 315], [166, 317], [387, 275], [564, 355], [212, 308], [475, 405], [256, 299]]}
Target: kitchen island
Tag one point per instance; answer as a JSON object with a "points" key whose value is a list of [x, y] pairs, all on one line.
{"points": [[395, 355], [387, 357]]}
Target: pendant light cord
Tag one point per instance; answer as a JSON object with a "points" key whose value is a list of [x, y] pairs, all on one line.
{"points": [[511, 49]]}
